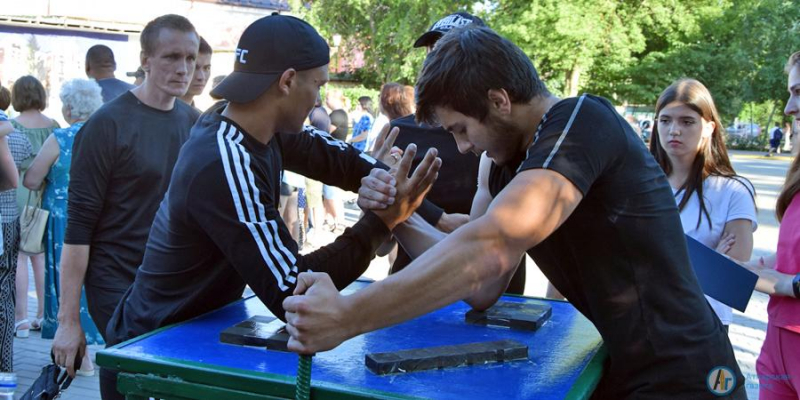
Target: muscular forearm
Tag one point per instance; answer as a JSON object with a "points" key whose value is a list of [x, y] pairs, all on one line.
{"points": [[461, 266], [417, 236], [74, 261]]}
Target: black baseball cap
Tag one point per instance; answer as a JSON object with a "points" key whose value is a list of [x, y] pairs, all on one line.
{"points": [[267, 48], [444, 25]]}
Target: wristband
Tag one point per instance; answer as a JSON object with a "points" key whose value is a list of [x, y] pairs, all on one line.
{"points": [[796, 286]]}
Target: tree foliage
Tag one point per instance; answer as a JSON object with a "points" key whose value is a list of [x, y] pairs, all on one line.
{"points": [[384, 30], [627, 50]]}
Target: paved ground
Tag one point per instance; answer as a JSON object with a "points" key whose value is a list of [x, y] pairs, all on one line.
{"points": [[747, 332]]}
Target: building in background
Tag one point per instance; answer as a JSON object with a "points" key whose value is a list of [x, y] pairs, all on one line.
{"points": [[49, 38]]}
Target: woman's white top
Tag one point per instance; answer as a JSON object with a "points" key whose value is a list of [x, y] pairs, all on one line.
{"points": [[726, 199]]}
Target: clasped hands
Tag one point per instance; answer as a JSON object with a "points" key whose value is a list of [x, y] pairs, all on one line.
{"points": [[318, 317]]}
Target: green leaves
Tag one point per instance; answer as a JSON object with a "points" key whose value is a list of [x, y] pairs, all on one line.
{"points": [[627, 50], [383, 31]]}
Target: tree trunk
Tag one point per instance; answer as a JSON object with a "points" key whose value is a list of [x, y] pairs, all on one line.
{"points": [[769, 120], [573, 80]]}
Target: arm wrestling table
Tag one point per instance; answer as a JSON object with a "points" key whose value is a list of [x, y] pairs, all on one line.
{"points": [[187, 360]]}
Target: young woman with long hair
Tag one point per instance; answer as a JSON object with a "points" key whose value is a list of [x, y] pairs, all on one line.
{"points": [[717, 206]]}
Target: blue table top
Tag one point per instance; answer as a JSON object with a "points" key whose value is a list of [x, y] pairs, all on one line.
{"points": [[558, 353]]}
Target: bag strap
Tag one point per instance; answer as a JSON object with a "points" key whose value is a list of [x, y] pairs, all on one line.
{"points": [[30, 192]]}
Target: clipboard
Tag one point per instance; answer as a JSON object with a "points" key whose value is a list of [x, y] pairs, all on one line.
{"points": [[719, 277]]}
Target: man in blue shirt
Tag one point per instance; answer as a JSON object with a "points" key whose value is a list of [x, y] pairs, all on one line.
{"points": [[100, 66]]}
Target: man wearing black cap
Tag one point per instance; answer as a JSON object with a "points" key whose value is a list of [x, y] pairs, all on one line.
{"points": [[444, 25], [218, 228]]}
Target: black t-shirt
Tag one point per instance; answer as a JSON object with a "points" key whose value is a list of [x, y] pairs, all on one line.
{"points": [[218, 227], [458, 176], [455, 188], [621, 257], [121, 166]]}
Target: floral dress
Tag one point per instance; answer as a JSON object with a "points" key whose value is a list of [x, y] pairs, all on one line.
{"points": [[363, 124], [55, 201]]}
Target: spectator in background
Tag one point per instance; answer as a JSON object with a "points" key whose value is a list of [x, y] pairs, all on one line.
{"points": [[21, 151], [202, 71], [138, 76], [8, 180], [121, 167], [335, 100], [331, 195], [380, 121], [100, 66], [341, 124], [396, 101], [775, 137], [647, 129], [717, 206], [29, 99], [362, 123], [319, 118], [80, 98], [314, 211]]}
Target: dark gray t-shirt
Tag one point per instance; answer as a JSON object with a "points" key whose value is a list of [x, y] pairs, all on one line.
{"points": [[121, 166]]}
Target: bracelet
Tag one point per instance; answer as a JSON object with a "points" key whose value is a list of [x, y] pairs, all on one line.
{"points": [[796, 286]]}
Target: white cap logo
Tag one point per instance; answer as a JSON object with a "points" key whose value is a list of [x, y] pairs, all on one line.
{"points": [[240, 55], [450, 22]]}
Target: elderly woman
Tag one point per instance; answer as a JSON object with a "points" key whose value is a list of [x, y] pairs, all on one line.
{"points": [[29, 99], [80, 98]]}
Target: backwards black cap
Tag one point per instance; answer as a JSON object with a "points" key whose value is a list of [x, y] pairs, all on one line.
{"points": [[444, 25], [267, 48]]}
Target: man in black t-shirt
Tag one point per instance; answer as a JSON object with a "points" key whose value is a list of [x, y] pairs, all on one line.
{"points": [[121, 166], [577, 190]]}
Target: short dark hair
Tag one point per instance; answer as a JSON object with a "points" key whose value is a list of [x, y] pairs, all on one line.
{"points": [[465, 63], [100, 56], [366, 103], [151, 31], [28, 94], [5, 98], [205, 48]]}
